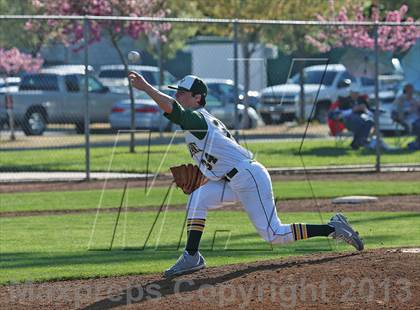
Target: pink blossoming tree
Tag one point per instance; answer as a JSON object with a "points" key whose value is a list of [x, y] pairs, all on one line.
{"points": [[13, 61], [396, 39], [72, 31]]}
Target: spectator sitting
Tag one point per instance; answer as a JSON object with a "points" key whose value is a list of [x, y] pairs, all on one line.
{"points": [[353, 112], [406, 108]]}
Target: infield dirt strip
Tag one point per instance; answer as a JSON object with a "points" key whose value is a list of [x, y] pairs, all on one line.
{"points": [[373, 279], [165, 180], [407, 203]]}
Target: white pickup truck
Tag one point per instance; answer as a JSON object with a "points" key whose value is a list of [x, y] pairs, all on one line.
{"points": [[56, 95], [281, 102]]}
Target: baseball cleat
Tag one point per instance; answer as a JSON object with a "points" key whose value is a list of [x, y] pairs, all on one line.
{"points": [[186, 263], [343, 231]]}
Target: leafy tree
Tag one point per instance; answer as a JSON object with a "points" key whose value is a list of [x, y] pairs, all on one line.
{"points": [[17, 35], [179, 33], [176, 37], [390, 5], [249, 36], [290, 39]]}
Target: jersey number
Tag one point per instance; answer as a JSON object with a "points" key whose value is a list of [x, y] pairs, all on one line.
{"points": [[209, 161]]}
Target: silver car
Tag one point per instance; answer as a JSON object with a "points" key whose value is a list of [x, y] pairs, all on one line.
{"points": [[225, 111], [9, 84], [56, 95], [150, 116], [224, 89], [387, 125]]}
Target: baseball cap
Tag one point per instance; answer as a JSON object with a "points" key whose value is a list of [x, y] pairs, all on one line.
{"points": [[193, 84]]}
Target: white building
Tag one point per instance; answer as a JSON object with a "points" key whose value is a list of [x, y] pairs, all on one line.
{"points": [[212, 57]]}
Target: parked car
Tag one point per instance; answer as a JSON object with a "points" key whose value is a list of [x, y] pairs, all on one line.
{"points": [[9, 84], [281, 102], [70, 68], [387, 125], [149, 115], [4, 118], [115, 77], [224, 89], [225, 111], [56, 95], [387, 102]]}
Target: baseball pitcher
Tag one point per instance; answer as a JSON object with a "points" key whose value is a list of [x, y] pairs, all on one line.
{"points": [[225, 172]]}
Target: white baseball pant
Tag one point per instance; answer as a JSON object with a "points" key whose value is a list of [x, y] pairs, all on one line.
{"points": [[252, 187]]}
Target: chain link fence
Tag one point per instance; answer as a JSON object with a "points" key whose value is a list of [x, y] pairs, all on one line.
{"points": [[78, 113]]}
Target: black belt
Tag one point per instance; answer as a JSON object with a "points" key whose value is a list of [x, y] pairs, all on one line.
{"points": [[228, 176]]}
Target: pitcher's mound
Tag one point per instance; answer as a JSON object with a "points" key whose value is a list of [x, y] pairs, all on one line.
{"points": [[372, 279]]}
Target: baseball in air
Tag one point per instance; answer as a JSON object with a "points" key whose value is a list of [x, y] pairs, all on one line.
{"points": [[133, 56]]}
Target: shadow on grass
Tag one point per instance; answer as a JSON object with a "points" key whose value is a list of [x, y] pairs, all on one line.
{"points": [[16, 260], [325, 151], [169, 252], [142, 151], [376, 240], [379, 218], [44, 167], [332, 151]]}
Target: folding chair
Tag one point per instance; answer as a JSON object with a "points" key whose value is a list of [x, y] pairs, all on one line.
{"points": [[335, 125], [398, 124]]}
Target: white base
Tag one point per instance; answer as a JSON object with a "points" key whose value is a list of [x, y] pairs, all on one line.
{"points": [[354, 199]]}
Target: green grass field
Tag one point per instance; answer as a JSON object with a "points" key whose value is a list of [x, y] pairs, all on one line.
{"points": [[271, 154], [39, 248], [136, 196], [56, 247]]}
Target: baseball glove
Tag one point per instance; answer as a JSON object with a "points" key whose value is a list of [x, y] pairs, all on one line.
{"points": [[188, 177]]}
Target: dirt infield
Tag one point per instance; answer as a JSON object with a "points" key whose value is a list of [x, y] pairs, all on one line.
{"points": [[385, 203], [374, 279], [165, 180]]}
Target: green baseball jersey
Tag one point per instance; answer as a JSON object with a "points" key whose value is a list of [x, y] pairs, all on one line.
{"points": [[211, 145]]}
